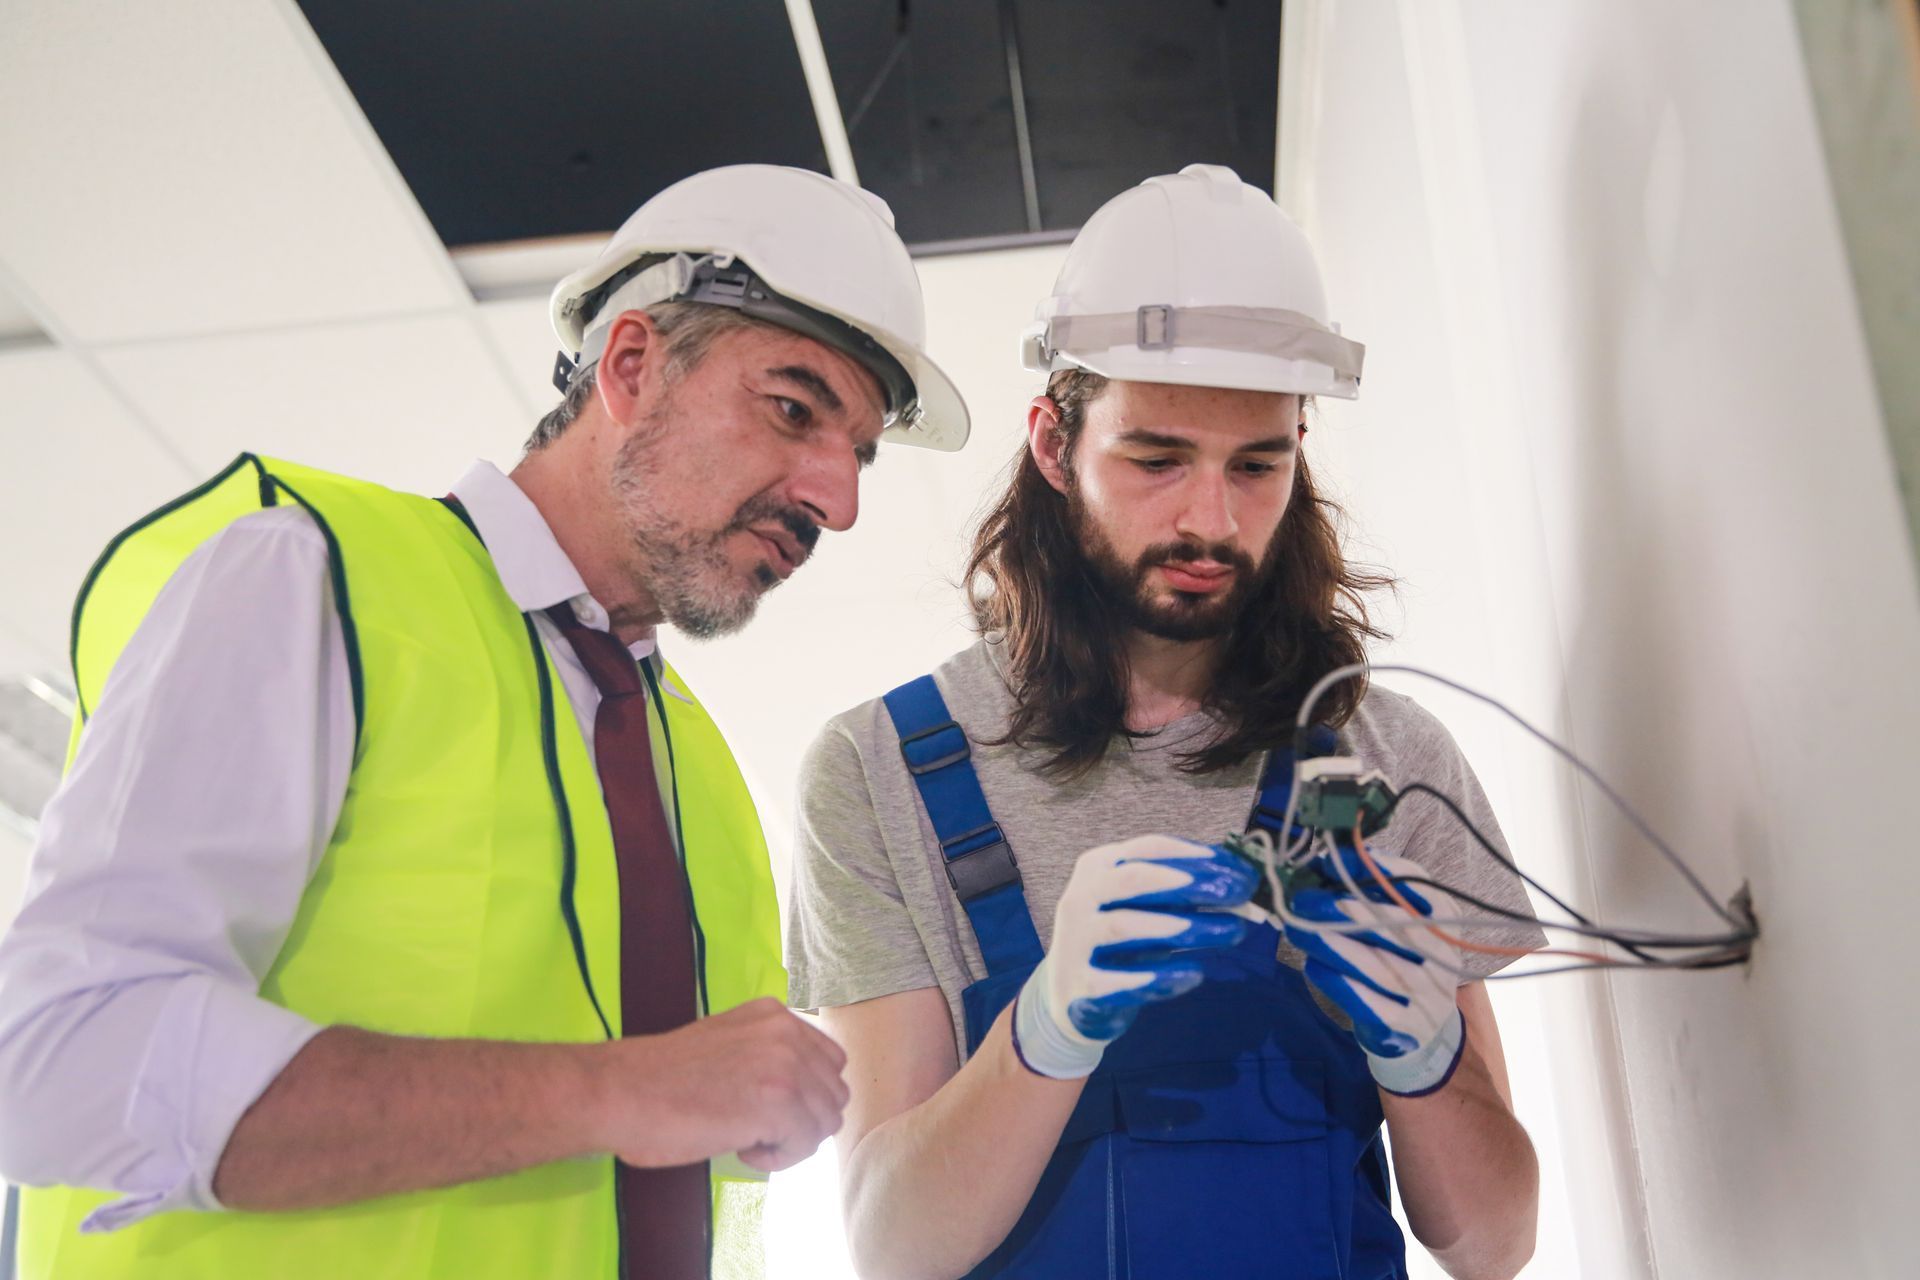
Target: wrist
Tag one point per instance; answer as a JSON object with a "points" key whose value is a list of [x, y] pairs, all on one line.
{"points": [[1044, 1042], [601, 1084], [1428, 1068]]}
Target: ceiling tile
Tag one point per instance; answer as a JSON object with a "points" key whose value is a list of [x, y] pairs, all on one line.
{"points": [[196, 167], [406, 402], [1124, 89], [929, 112], [559, 118], [79, 468]]}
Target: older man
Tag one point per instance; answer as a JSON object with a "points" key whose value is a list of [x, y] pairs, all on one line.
{"points": [[403, 914]]}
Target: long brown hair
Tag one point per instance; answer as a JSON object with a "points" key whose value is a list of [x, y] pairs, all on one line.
{"points": [[1029, 580]]}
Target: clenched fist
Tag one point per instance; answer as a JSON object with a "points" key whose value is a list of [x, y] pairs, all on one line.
{"points": [[757, 1080]]}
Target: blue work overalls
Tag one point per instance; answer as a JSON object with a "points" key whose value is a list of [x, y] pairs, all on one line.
{"points": [[1234, 1131]]}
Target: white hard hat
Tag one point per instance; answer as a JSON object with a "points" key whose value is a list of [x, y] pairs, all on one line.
{"points": [[1194, 278], [793, 247]]}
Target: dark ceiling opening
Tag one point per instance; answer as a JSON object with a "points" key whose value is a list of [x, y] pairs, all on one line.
{"points": [[974, 119]]}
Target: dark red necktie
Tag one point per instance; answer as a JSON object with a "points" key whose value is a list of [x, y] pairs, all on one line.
{"points": [[665, 1211]]}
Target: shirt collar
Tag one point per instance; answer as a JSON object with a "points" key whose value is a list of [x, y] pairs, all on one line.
{"points": [[533, 568]]}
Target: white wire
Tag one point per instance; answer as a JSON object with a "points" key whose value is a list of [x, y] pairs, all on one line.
{"points": [[1263, 843], [1710, 946], [1405, 917], [1640, 824]]}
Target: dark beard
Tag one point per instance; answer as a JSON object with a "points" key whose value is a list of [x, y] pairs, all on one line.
{"points": [[1124, 590]]}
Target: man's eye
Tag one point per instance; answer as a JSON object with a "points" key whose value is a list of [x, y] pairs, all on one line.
{"points": [[794, 411], [1153, 464], [1258, 468]]}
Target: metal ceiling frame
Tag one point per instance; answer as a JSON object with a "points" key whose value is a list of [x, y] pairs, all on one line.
{"points": [[1022, 135], [826, 104]]}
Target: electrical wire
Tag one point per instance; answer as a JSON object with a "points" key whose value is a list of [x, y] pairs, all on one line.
{"points": [[1630, 940], [1493, 851], [1619, 937], [1567, 753], [1256, 843], [1284, 911], [1722, 962], [1718, 951], [1376, 917], [1387, 886]]}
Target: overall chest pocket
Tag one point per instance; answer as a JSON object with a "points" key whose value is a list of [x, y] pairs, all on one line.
{"points": [[1219, 1169], [1224, 1169]]}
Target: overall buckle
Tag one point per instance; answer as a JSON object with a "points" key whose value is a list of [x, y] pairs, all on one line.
{"points": [[980, 870]]}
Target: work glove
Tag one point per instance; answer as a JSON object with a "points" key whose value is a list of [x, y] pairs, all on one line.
{"points": [[1403, 1005], [1128, 931]]}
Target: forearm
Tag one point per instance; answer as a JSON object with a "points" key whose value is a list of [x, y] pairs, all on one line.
{"points": [[1467, 1173], [357, 1114], [933, 1190]]}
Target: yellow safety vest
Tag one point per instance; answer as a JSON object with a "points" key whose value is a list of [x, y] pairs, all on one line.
{"points": [[469, 889]]}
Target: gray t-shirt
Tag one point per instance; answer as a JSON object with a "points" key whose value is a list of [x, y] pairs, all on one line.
{"points": [[871, 912]]}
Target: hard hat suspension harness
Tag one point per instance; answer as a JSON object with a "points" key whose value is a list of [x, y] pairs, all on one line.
{"points": [[724, 281]]}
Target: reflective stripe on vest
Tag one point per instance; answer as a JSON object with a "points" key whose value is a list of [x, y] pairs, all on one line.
{"points": [[469, 889]]}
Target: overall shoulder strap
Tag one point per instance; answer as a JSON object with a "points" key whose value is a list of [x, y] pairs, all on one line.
{"points": [[979, 861], [1276, 781], [1276, 786]]}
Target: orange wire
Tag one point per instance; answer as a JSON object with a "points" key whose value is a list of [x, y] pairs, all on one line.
{"points": [[1393, 891]]}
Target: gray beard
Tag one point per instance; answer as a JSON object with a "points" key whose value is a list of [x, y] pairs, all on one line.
{"points": [[688, 573]]}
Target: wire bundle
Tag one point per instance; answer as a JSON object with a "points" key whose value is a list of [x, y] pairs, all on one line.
{"points": [[1633, 948]]}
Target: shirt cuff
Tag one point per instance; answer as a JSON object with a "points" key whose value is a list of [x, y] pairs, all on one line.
{"points": [[214, 1051]]}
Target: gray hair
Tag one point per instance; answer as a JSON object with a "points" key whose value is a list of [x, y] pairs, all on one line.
{"points": [[688, 331]]}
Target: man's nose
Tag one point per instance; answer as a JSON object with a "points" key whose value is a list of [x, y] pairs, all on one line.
{"points": [[827, 488], [1208, 514]]}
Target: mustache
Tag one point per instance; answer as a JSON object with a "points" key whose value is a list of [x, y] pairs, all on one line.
{"points": [[762, 509], [1188, 552]]}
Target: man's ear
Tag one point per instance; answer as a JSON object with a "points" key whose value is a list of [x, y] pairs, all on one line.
{"points": [[1045, 440], [627, 365]]}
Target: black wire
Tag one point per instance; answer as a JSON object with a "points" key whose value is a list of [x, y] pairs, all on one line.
{"points": [[1567, 753], [1493, 852], [1708, 962], [1587, 931]]}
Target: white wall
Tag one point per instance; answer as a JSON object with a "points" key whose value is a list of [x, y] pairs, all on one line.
{"points": [[1620, 437]]}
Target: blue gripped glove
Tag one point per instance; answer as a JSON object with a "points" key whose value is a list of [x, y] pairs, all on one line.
{"points": [[1129, 922], [1403, 1007]]}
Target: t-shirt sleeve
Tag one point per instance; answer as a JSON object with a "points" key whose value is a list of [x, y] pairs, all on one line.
{"points": [[850, 936], [1422, 829]]}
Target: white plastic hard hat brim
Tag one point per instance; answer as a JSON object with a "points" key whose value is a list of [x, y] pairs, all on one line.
{"points": [[1245, 348], [942, 423], [1291, 352], [1230, 370]]}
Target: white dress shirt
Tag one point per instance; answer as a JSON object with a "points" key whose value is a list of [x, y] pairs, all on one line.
{"points": [[172, 860]]}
